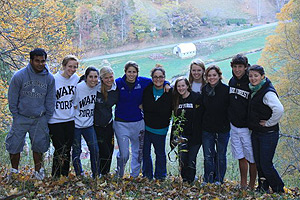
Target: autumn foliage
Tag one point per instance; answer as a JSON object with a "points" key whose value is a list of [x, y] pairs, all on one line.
{"points": [[281, 56], [25, 25]]}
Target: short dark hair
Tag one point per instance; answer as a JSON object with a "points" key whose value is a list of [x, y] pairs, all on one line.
{"points": [[37, 52], [239, 59], [257, 68]]}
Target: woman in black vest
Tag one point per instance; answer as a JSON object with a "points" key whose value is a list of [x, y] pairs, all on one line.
{"points": [[265, 111]]}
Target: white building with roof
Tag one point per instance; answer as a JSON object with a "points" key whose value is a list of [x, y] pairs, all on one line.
{"points": [[185, 50]]}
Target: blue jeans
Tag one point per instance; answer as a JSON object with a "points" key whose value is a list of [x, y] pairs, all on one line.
{"points": [[264, 146], [91, 139], [214, 150], [159, 143]]}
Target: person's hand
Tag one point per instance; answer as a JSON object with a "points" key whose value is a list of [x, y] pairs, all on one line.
{"points": [[167, 88], [263, 122], [141, 106]]}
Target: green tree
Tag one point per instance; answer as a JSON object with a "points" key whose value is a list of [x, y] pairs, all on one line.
{"points": [[281, 56]]}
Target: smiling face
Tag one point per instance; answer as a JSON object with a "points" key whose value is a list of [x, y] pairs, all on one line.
{"points": [[70, 68], [38, 63], [239, 70], [197, 73], [182, 88], [108, 80], [92, 79], [255, 77], [158, 79], [131, 74], [213, 77]]}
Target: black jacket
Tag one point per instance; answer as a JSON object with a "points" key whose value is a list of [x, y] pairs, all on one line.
{"points": [[215, 109], [192, 123], [239, 94], [259, 111], [103, 109], [157, 114]]}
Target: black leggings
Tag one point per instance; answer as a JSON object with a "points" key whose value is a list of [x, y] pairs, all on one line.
{"points": [[105, 138], [62, 135]]}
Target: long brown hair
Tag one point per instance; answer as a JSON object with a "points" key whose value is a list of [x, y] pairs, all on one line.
{"points": [[103, 71], [176, 94]]}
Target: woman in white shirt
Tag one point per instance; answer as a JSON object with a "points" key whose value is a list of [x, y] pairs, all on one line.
{"points": [[84, 119], [61, 124]]}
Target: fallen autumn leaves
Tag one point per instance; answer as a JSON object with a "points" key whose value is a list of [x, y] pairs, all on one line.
{"points": [[109, 187]]}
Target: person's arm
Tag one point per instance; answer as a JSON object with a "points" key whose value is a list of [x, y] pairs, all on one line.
{"points": [[270, 99], [50, 99], [14, 94]]}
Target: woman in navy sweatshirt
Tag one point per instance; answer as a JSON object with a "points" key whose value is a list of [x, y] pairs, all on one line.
{"points": [[186, 103]]}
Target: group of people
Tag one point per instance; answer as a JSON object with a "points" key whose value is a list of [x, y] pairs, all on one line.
{"points": [[206, 111]]}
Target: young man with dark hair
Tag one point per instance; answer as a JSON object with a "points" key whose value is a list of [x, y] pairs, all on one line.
{"points": [[31, 98], [238, 108]]}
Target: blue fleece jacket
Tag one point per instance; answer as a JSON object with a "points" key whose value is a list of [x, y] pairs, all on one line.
{"points": [[127, 107], [32, 94]]}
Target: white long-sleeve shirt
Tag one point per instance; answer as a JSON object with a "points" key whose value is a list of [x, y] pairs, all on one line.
{"points": [[65, 94], [270, 99]]}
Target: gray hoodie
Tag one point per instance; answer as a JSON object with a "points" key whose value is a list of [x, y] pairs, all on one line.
{"points": [[32, 94]]}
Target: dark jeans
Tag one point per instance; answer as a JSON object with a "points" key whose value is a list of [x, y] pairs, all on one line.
{"points": [[214, 150], [159, 143], [187, 160], [105, 138], [91, 140], [62, 135], [264, 146]]}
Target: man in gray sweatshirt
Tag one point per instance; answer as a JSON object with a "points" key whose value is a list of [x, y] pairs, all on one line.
{"points": [[31, 98]]}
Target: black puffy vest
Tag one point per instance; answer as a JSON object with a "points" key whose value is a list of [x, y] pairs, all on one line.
{"points": [[259, 111]]}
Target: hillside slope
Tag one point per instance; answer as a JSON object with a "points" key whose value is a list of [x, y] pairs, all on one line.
{"points": [[222, 9]]}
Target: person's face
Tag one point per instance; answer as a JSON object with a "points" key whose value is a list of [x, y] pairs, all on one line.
{"points": [[92, 79], [108, 79], [255, 77], [197, 72], [70, 68], [38, 63], [239, 70], [213, 77], [131, 74], [182, 87], [158, 79]]}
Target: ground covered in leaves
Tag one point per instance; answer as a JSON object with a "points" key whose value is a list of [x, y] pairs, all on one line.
{"points": [[109, 187]]}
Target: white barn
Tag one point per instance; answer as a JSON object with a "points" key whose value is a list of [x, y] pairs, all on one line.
{"points": [[185, 50]]}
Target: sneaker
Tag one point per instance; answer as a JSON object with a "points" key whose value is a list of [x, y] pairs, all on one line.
{"points": [[12, 175], [217, 183], [203, 184], [40, 175]]}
